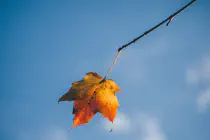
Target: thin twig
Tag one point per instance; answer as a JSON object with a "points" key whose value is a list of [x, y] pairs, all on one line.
{"points": [[147, 32]]}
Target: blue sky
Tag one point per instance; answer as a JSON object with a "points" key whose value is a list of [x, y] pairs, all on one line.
{"points": [[46, 45]]}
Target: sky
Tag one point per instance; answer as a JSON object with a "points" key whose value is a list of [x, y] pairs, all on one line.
{"points": [[45, 45]]}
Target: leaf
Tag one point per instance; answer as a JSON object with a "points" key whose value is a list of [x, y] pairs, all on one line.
{"points": [[84, 114], [92, 95], [82, 89], [107, 100]]}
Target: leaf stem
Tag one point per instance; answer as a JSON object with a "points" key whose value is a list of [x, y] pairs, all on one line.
{"points": [[115, 60], [168, 20]]}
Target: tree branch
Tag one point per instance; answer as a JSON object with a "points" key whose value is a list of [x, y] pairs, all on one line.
{"points": [[168, 20]]}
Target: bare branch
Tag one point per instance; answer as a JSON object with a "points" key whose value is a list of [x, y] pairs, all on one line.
{"points": [[168, 20]]}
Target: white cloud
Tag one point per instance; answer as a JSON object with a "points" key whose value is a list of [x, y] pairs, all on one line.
{"points": [[146, 126], [203, 100], [150, 128], [121, 124], [199, 73]]}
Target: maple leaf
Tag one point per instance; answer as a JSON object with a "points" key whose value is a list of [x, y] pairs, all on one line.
{"points": [[92, 94]]}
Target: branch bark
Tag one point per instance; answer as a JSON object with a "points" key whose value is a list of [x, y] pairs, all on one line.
{"points": [[168, 20]]}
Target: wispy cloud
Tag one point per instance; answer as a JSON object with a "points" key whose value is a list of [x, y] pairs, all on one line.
{"points": [[150, 128], [121, 124], [203, 100], [199, 73]]}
